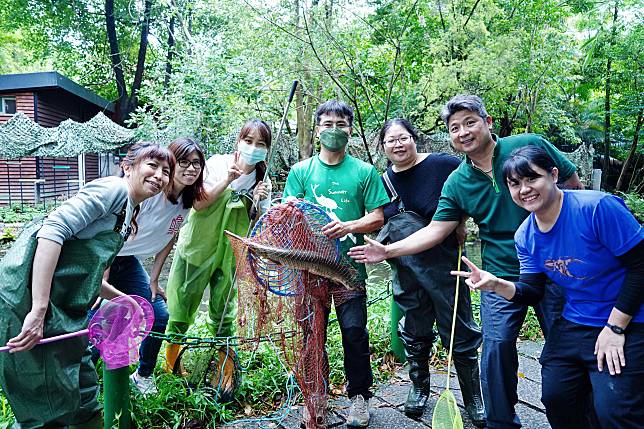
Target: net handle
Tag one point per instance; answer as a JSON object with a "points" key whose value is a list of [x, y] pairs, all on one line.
{"points": [[53, 339], [451, 336]]}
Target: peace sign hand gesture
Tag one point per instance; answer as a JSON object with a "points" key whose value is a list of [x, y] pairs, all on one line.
{"points": [[477, 278], [233, 170]]}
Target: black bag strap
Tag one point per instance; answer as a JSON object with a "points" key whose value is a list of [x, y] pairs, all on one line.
{"points": [[394, 195]]}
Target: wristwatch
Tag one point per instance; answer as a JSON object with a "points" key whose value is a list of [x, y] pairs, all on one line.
{"points": [[616, 329]]}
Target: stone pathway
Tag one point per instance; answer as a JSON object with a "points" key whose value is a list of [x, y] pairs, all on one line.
{"points": [[387, 404]]}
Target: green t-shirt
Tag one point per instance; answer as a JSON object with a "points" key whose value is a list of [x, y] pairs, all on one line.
{"points": [[488, 202], [346, 191]]}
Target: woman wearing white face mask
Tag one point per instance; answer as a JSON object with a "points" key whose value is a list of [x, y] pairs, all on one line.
{"points": [[203, 255]]}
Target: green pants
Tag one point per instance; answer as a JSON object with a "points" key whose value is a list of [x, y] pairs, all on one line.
{"points": [[52, 385], [204, 258]]}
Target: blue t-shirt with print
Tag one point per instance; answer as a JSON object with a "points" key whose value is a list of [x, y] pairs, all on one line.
{"points": [[580, 253]]}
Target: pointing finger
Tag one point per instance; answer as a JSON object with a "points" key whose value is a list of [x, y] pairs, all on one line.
{"points": [[470, 264]]}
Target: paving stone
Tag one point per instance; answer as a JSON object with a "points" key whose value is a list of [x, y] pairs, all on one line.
{"points": [[395, 393], [532, 419], [529, 368], [530, 348], [530, 393]]}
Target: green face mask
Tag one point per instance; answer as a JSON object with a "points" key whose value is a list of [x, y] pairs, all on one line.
{"points": [[334, 139]]}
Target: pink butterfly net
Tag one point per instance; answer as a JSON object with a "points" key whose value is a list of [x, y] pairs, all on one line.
{"points": [[118, 328]]}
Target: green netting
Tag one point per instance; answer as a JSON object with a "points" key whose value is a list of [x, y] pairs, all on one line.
{"points": [[446, 412], [20, 137]]}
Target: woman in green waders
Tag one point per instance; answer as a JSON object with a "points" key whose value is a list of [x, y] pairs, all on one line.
{"points": [[48, 280], [203, 256]]}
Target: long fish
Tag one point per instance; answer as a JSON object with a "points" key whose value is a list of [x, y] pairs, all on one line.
{"points": [[306, 260]]}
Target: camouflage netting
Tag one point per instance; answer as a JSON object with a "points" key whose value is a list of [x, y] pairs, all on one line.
{"points": [[20, 137], [288, 256]]}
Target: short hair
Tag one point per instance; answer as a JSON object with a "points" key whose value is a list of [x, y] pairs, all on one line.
{"points": [[143, 150], [463, 102], [397, 121], [336, 107], [518, 164]]}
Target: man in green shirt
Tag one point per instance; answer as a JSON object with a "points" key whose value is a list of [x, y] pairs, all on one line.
{"points": [[476, 189], [351, 193]]}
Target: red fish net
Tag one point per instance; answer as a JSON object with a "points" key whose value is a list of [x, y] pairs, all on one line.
{"points": [[287, 273]]}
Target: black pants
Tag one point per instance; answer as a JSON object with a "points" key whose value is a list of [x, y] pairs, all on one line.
{"points": [[569, 373], [352, 318]]}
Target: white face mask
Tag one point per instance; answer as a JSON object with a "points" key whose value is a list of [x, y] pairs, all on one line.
{"points": [[251, 154]]}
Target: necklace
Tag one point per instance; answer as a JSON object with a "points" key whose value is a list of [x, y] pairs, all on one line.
{"points": [[486, 172]]}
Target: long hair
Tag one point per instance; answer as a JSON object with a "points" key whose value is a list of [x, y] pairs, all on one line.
{"points": [[265, 133], [139, 153], [182, 148]]}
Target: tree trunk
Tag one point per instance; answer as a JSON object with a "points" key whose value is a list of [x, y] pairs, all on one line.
{"points": [[506, 124], [140, 62], [631, 153], [125, 105], [303, 109], [117, 67], [606, 163], [168, 63], [609, 63]]}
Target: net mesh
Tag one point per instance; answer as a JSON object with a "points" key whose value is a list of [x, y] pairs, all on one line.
{"points": [[288, 272], [118, 328]]}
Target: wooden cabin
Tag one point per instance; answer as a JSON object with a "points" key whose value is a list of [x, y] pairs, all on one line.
{"points": [[48, 98]]}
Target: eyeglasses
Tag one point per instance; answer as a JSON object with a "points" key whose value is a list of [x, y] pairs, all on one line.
{"points": [[401, 139], [184, 163]]}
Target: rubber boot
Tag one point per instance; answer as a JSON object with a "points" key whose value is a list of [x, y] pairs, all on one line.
{"points": [[95, 422], [467, 369], [225, 379], [417, 351], [171, 353], [419, 390]]}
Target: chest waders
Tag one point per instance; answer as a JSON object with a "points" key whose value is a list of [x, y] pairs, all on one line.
{"points": [[424, 290], [53, 384], [204, 258]]}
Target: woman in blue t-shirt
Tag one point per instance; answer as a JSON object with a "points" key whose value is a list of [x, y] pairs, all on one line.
{"points": [[589, 243]]}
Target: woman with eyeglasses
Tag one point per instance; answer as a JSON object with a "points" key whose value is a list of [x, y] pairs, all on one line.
{"points": [[204, 257], [159, 220], [590, 244], [422, 285]]}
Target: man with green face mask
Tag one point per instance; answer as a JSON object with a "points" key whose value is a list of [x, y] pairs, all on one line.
{"points": [[352, 194]]}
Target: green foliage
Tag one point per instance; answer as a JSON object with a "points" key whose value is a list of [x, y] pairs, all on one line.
{"points": [[6, 415], [539, 65], [8, 235], [635, 203], [177, 405], [22, 212]]}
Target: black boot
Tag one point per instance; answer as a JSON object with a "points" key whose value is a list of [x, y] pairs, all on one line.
{"points": [[467, 369], [419, 390]]}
